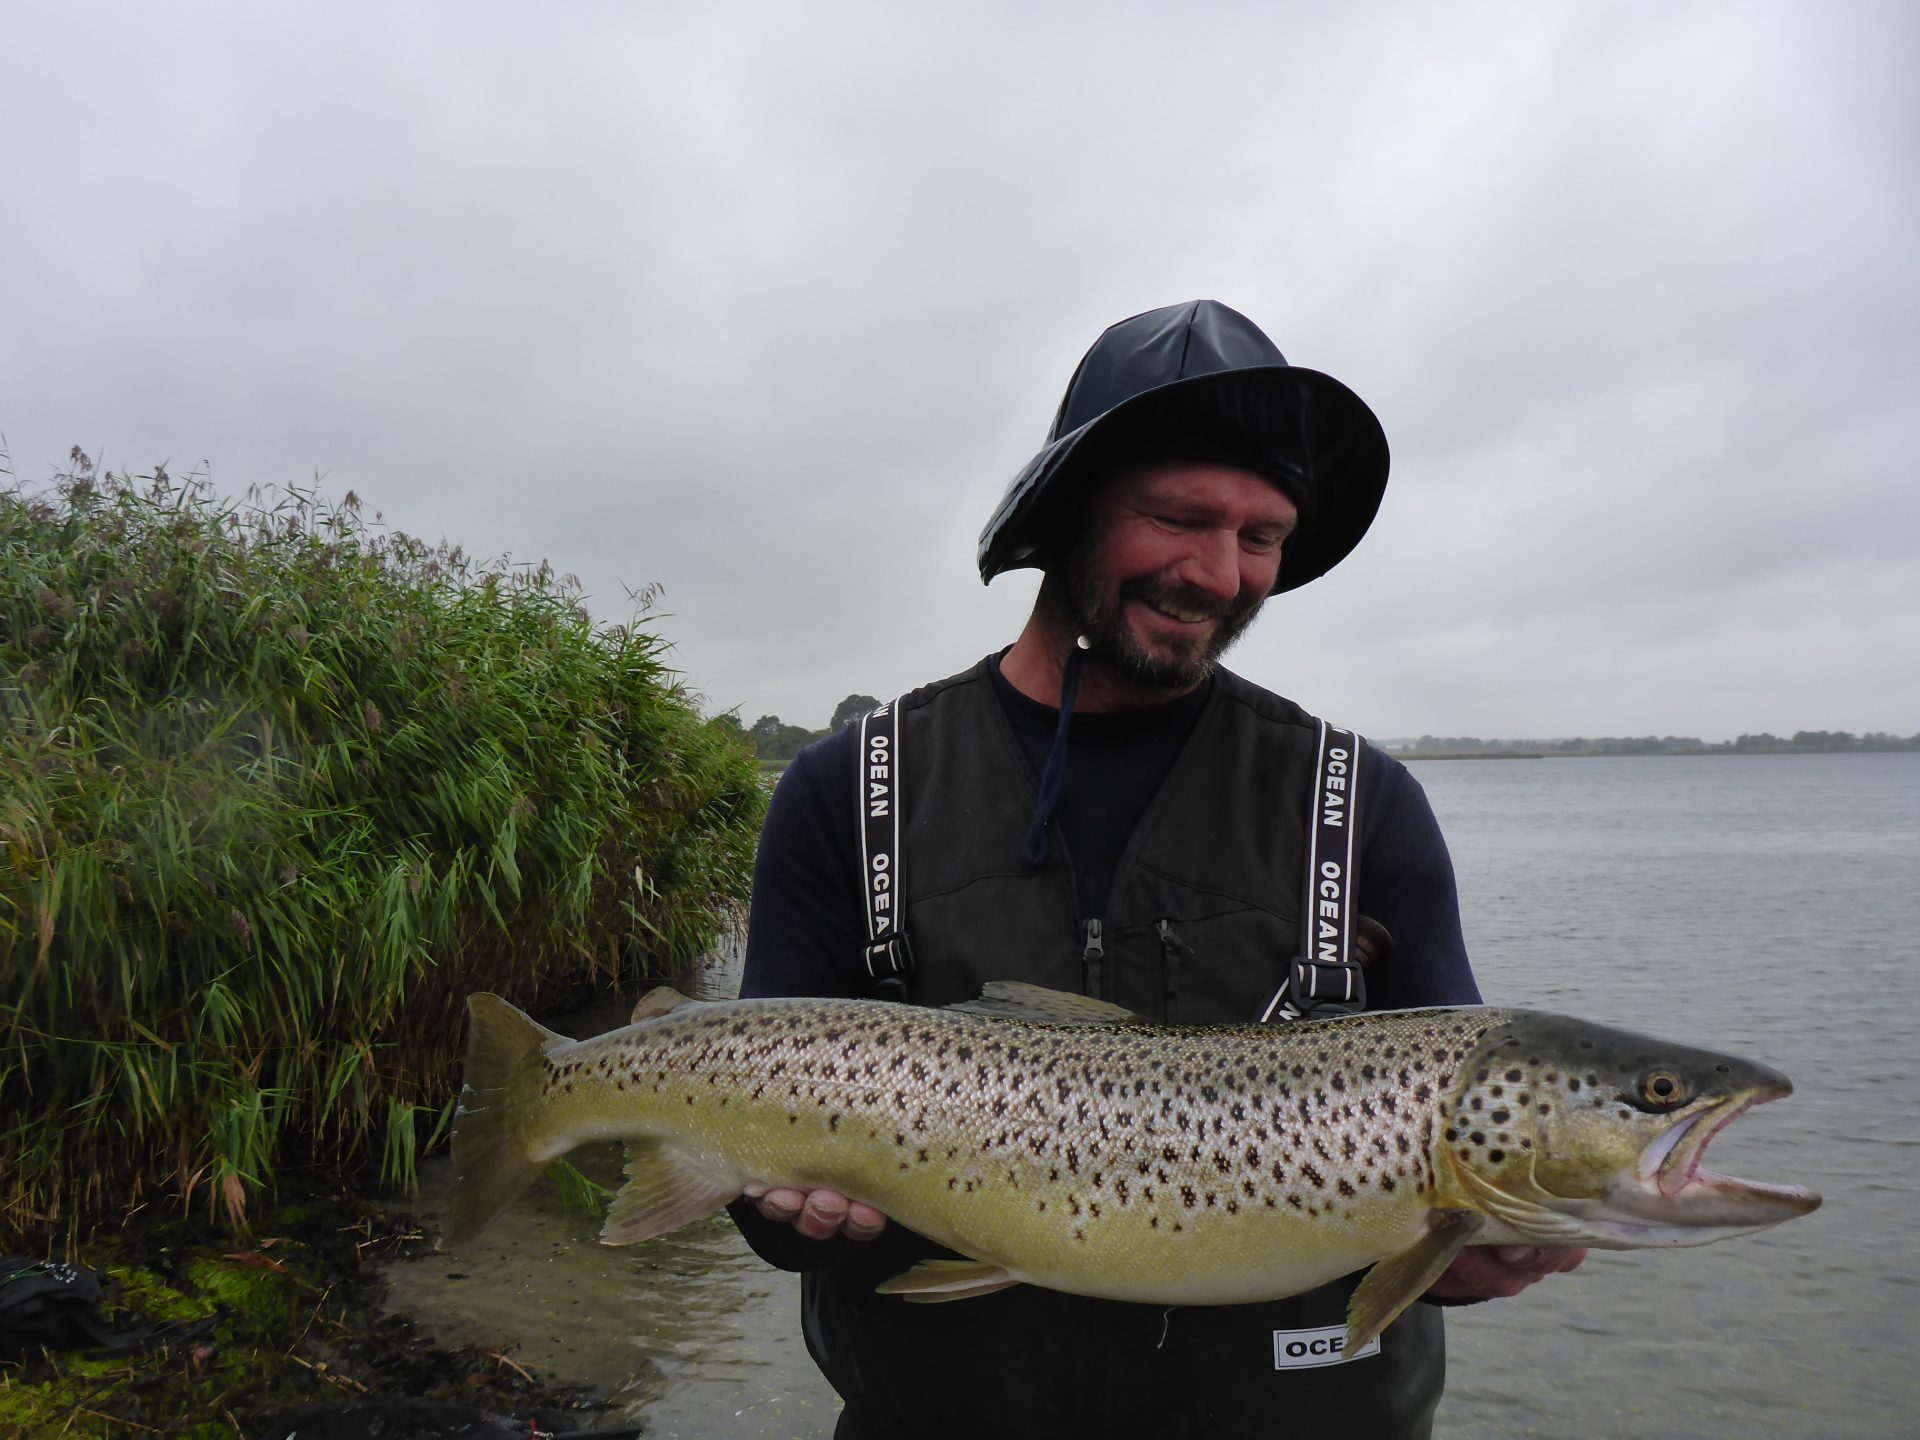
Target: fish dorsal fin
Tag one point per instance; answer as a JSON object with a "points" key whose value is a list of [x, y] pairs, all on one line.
{"points": [[932, 1281], [1403, 1277], [1017, 1000], [663, 1192], [657, 1002]]}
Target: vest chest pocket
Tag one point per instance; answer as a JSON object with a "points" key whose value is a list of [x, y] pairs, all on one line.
{"points": [[1200, 969]]}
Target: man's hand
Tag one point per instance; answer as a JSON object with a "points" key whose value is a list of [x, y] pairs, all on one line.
{"points": [[818, 1214], [1487, 1272]]}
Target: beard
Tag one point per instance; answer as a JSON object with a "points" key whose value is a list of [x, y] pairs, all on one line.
{"points": [[1173, 667]]}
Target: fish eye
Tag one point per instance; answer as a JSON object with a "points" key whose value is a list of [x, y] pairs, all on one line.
{"points": [[1662, 1090]]}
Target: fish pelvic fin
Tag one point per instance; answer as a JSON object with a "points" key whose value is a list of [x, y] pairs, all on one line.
{"points": [[664, 1191], [932, 1281], [1403, 1277], [506, 1051]]}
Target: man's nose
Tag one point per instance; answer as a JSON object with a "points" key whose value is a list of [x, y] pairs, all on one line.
{"points": [[1214, 563]]}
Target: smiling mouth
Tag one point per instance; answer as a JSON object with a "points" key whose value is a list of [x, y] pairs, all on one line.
{"points": [[1179, 613]]}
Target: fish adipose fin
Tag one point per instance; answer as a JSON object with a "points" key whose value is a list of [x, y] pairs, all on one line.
{"points": [[506, 1051], [660, 1000], [932, 1281], [1017, 1000], [663, 1192], [1403, 1277]]}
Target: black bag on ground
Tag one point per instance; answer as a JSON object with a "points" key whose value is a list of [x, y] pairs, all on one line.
{"points": [[51, 1305]]}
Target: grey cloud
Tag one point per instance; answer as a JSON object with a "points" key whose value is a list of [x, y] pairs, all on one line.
{"points": [[766, 303]]}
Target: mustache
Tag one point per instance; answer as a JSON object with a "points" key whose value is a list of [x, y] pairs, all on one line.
{"points": [[1152, 590]]}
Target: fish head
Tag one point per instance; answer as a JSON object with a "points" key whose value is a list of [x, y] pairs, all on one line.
{"points": [[1576, 1134]]}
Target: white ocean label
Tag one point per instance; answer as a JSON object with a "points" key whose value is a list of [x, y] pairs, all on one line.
{"points": [[1304, 1349]]}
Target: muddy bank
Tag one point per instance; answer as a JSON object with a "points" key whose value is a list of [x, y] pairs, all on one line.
{"points": [[299, 1317]]}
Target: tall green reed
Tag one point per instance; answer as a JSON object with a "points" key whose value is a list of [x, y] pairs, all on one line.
{"points": [[278, 788]]}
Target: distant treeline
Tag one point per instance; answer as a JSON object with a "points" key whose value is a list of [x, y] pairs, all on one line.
{"points": [[1801, 741], [777, 742]]}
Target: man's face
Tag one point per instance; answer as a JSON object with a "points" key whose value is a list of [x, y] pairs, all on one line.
{"points": [[1173, 564]]}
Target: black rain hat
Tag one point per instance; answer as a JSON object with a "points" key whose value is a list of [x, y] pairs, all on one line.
{"points": [[1201, 382]]}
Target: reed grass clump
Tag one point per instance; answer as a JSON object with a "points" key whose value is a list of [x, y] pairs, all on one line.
{"points": [[279, 787]]}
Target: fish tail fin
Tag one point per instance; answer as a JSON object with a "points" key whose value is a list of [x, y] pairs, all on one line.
{"points": [[498, 1113]]}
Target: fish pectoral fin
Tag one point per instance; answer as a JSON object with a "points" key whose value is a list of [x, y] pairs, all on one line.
{"points": [[932, 1281], [657, 1002], [1017, 1000], [1403, 1277], [663, 1192]]}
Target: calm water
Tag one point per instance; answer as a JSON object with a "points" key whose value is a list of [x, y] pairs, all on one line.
{"points": [[1764, 905]]}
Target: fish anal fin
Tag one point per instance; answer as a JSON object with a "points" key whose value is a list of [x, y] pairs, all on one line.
{"points": [[664, 1191], [932, 1281], [1403, 1277], [1017, 1000], [657, 1002]]}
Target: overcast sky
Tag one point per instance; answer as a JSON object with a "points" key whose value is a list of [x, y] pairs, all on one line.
{"points": [[766, 304]]}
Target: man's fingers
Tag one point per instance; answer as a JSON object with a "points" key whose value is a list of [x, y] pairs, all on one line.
{"points": [[821, 1214], [1516, 1254], [1503, 1271], [783, 1206], [1537, 1260], [863, 1221]]}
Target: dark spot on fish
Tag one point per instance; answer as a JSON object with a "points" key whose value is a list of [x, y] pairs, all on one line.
{"points": [[1500, 1117], [1515, 1076], [1496, 1156]]}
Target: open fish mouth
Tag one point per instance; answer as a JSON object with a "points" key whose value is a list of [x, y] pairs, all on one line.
{"points": [[1672, 1169]]}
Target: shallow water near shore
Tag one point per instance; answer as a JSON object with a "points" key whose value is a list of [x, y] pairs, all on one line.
{"points": [[1762, 905]]}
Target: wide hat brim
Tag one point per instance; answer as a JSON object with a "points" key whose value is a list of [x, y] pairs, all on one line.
{"points": [[1311, 434]]}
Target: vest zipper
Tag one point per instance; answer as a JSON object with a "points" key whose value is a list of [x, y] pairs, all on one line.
{"points": [[1172, 948], [1092, 953]]}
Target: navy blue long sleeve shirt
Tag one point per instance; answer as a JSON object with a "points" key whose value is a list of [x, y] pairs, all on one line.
{"points": [[808, 927]]}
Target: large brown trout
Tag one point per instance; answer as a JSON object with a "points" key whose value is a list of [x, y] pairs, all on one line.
{"points": [[1061, 1142]]}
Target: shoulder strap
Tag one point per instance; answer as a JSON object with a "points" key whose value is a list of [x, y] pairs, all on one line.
{"points": [[1324, 979], [876, 785]]}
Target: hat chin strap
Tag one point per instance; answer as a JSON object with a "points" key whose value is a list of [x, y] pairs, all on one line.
{"points": [[1053, 779]]}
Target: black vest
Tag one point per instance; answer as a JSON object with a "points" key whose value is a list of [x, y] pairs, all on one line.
{"points": [[1202, 920]]}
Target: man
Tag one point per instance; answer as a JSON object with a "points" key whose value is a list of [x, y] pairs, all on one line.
{"points": [[1101, 808]]}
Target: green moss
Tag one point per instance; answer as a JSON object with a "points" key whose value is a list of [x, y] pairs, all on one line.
{"points": [[143, 1290], [261, 1299], [300, 1323]]}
